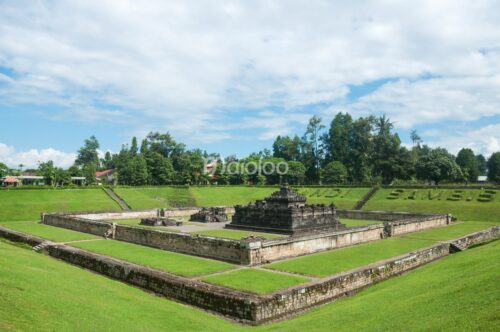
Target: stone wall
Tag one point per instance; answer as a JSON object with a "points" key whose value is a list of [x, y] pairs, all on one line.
{"points": [[76, 224], [305, 296], [380, 215], [246, 307], [418, 224], [271, 250]]}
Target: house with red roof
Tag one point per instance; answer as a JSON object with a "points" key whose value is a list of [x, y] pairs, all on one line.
{"points": [[106, 176]]}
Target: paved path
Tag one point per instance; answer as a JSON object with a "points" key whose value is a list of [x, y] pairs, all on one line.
{"points": [[117, 199]]}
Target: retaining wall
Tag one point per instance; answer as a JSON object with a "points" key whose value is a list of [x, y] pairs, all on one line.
{"points": [[380, 215]]}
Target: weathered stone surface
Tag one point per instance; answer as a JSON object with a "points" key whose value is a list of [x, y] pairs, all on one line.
{"points": [[211, 214], [285, 212]]}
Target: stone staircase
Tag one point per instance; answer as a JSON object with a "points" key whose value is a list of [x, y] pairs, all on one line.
{"points": [[457, 247], [359, 205], [40, 246], [111, 193]]}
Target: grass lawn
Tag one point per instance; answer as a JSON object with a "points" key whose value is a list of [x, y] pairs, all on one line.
{"points": [[213, 196], [236, 234], [184, 265], [344, 259], [343, 198], [437, 200], [28, 204], [255, 281], [47, 232], [424, 299], [359, 222], [156, 197]]}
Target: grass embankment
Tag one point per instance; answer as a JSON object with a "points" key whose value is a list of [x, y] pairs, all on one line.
{"points": [[28, 204], [463, 204], [44, 294], [47, 232], [143, 198], [184, 265], [344, 259], [156, 197], [255, 281]]}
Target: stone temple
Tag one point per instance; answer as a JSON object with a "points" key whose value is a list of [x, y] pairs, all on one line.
{"points": [[285, 212]]}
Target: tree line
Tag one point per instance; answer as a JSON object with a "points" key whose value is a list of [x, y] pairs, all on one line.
{"points": [[365, 150]]}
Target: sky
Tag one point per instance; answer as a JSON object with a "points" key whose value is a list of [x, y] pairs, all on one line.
{"points": [[229, 76]]}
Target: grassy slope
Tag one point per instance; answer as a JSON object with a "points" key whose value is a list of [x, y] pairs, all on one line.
{"points": [[153, 197], [331, 262], [343, 198], [459, 292], [255, 281], [142, 198], [359, 222], [180, 264], [463, 209], [47, 232], [28, 204]]}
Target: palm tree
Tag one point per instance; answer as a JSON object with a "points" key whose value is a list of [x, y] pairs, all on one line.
{"points": [[384, 125]]}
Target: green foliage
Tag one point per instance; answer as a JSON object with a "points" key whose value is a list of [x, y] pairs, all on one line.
{"points": [[296, 173], [468, 163], [88, 153], [494, 167], [334, 173], [4, 170], [481, 164], [438, 165]]}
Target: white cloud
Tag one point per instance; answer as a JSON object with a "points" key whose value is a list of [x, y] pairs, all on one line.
{"points": [[485, 140], [31, 158], [183, 66]]}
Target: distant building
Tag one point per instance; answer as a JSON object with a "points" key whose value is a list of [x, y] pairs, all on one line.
{"points": [[11, 181], [482, 178], [107, 176]]}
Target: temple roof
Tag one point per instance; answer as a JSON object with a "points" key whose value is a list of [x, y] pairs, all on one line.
{"points": [[286, 195]]}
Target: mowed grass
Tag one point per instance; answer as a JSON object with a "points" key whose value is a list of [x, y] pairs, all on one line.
{"points": [[28, 204], [343, 198], [214, 196], [180, 264], [47, 232], [437, 201], [344, 259], [255, 281], [359, 222], [156, 197], [236, 234], [456, 293]]}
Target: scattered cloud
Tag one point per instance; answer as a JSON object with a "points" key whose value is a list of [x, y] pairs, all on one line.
{"points": [[31, 158], [188, 66]]}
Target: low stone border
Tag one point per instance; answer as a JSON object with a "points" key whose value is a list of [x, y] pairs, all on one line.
{"points": [[246, 307]]}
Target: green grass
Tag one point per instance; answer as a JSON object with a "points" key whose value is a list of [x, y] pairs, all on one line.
{"points": [[255, 281], [184, 265], [343, 259], [213, 196], [235, 234], [343, 198], [457, 293], [437, 201], [28, 204], [156, 197], [359, 222], [331, 262], [47, 232]]}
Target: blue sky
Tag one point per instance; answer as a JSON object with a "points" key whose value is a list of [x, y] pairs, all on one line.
{"points": [[228, 76]]}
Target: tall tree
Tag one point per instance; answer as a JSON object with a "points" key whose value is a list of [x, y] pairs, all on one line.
{"points": [[481, 164], [415, 138], [360, 149], [336, 141], [438, 165], [4, 170], [311, 137], [48, 171], [468, 163], [88, 153], [494, 167], [334, 173], [133, 147]]}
